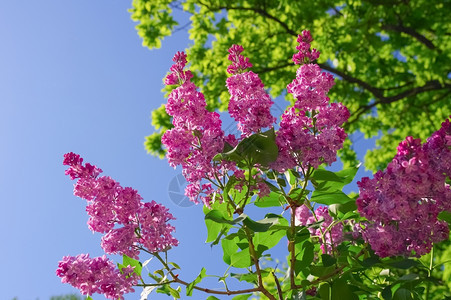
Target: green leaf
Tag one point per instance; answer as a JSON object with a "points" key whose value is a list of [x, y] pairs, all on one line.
{"points": [[402, 294], [330, 197], [218, 217], [212, 298], [342, 209], [445, 216], [409, 277], [386, 293], [242, 297], [404, 264], [174, 265], [229, 247], [259, 148], [190, 287], [370, 261], [304, 255], [248, 277], [88, 298], [340, 290], [262, 225], [213, 227], [266, 240], [174, 293], [128, 261], [324, 175], [328, 260], [241, 259], [324, 290], [271, 200]]}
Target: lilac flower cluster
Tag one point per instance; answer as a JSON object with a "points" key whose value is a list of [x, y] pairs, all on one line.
{"points": [[305, 55], [249, 104], [402, 202], [110, 205], [310, 132], [96, 275], [128, 225], [332, 237], [197, 135]]}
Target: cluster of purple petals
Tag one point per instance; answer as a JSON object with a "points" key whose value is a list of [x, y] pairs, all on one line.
{"points": [[96, 275], [305, 55], [239, 62], [402, 202], [249, 104], [333, 237], [197, 135], [310, 132], [119, 213]]}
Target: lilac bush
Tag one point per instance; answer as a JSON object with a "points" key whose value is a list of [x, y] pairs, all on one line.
{"points": [[339, 246]]}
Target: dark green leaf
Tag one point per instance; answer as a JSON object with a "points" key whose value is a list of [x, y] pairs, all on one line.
{"points": [[402, 294], [341, 209], [324, 290], [370, 261], [340, 290], [218, 217], [386, 293], [404, 264], [259, 148], [328, 260], [409, 277], [262, 225], [304, 255]]}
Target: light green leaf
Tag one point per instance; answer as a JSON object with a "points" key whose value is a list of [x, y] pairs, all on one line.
{"points": [[190, 287]]}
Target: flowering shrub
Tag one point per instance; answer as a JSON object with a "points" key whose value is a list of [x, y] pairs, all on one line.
{"points": [[339, 246]]}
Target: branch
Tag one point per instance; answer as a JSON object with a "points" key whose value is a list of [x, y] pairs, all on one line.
{"points": [[433, 85], [205, 290], [254, 258], [259, 11], [377, 92], [421, 38]]}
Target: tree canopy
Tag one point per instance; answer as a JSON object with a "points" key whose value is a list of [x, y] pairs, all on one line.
{"points": [[392, 58]]}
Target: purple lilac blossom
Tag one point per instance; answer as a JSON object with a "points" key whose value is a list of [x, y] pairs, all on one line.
{"points": [[119, 213], [332, 237], [250, 105], [197, 135], [96, 275], [310, 132], [402, 202]]}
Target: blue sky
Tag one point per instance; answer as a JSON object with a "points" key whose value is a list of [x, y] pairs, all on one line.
{"points": [[74, 77]]}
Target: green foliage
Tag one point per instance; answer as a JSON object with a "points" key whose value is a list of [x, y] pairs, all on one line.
{"points": [[391, 58]]}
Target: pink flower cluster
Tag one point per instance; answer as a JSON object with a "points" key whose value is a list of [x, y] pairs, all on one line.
{"points": [[119, 213], [197, 135], [310, 132], [249, 104], [96, 275], [332, 238], [402, 202], [305, 55]]}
